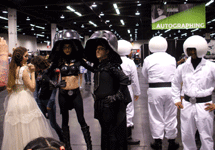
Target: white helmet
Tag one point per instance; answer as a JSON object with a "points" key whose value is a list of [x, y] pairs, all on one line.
{"points": [[158, 44], [197, 42], [124, 47]]}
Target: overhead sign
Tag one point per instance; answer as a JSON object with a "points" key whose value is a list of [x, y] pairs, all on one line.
{"points": [[181, 16]]}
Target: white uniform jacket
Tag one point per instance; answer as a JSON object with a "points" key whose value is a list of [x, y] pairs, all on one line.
{"points": [[158, 67], [196, 83], [130, 69]]}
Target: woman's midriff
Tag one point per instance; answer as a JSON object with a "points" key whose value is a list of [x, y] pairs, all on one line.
{"points": [[71, 82]]}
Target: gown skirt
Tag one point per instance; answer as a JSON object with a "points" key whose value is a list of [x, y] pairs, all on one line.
{"points": [[23, 120]]}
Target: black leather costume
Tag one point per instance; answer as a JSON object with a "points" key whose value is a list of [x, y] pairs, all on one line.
{"points": [[111, 98], [111, 94]]}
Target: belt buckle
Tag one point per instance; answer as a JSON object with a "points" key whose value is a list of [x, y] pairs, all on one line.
{"points": [[70, 92], [192, 100]]}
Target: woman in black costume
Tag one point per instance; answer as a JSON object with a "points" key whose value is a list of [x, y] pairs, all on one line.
{"points": [[67, 56]]}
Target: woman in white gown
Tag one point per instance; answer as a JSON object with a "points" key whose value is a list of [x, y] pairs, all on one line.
{"points": [[23, 120]]}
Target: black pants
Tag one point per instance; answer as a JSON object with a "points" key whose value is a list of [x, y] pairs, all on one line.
{"points": [[67, 102], [113, 135]]}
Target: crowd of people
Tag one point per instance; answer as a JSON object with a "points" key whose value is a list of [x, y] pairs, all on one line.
{"points": [[32, 87]]}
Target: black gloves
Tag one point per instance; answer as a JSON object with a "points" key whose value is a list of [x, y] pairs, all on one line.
{"points": [[54, 84], [112, 98]]}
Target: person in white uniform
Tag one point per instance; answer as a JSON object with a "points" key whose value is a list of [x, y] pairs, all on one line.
{"points": [[130, 69], [198, 77], [158, 71]]}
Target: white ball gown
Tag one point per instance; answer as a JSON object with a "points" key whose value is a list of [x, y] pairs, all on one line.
{"points": [[23, 120]]}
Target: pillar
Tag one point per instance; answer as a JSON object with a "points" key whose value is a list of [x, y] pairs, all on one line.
{"points": [[12, 29], [53, 32]]}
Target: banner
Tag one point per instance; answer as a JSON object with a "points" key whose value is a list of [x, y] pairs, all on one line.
{"points": [[181, 16]]}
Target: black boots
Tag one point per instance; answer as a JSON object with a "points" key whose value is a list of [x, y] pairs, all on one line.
{"points": [[66, 137], [130, 140], [87, 137], [172, 144], [157, 145]]}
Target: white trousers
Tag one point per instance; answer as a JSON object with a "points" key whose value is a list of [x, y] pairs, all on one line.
{"points": [[162, 113], [130, 108], [193, 117]]}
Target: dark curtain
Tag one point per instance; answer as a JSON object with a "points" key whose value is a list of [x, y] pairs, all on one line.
{"points": [[146, 50], [179, 49], [171, 48], [142, 54]]}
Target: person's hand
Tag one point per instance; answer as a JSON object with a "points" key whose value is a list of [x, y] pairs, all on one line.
{"points": [[109, 99], [48, 108], [62, 83], [3, 47], [210, 107], [136, 97], [31, 68], [179, 105]]}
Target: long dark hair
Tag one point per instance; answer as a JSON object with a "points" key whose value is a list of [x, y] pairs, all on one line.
{"points": [[17, 58], [57, 55], [40, 62]]}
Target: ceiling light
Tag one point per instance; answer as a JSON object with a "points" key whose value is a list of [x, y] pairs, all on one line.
{"points": [[129, 31], [82, 26], [139, 4], [137, 13], [94, 5], [70, 8], [62, 17], [77, 13], [208, 3], [3, 18], [164, 3], [122, 22], [117, 11], [32, 28], [40, 35], [73, 10], [116, 8], [185, 34], [194, 30], [101, 14], [4, 12], [28, 19], [167, 30], [37, 26], [137, 24], [93, 23], [46, 6]]}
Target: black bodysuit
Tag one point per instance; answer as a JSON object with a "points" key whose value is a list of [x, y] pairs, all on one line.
{"points": [[72, 70], [69, 99]]}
